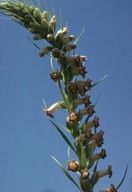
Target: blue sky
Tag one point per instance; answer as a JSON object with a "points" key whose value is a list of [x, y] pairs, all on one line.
{"points": [[27, 139]]}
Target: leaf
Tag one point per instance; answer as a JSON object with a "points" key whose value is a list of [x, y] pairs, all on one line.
{"points": [[99, 80], [33, 43], [62, 126], [66, 172], [79, 36], [64, 137], [68, 153], [122, 178]]}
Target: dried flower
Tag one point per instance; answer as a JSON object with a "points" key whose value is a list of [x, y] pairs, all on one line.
{"points": [[105, 172], [93, 123], [56, 52], [84, 174], [86, 101], [73, 117], [73, 165], [110, 189], [97, 156], [87, 111], [55, 76], [73, 88]]}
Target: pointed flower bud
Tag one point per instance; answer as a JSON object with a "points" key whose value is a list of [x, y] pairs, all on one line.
{"points": [[73, 165], [50, 38], [45, 15], [52, 24], [70, 47], [44, 24], [38, 14], [44, 51], [61, 33], [67, 40]]}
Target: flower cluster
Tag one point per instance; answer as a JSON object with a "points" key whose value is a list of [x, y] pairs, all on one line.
{"points": [[81, 122]]}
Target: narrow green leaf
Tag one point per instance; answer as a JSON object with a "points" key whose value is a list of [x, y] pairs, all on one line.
{"points": [[122, 178], [68, 153], [99, 80], [66, 172], [79, 36], [33, 43], [64, 137], [62, 126]]}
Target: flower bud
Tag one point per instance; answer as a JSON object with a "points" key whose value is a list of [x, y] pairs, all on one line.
{"points": [[73, 165], [50, 38], [37, 14], [52, 24], [45, 15], [61, 33], [67, 40], [44, 24], [38, 36], [31, 9], [70, 47], [44, 51]]}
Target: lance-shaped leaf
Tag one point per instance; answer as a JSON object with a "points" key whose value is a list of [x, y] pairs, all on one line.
{"points": [[66, 172], [64, 137], [99, 80], [122, 178]]}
